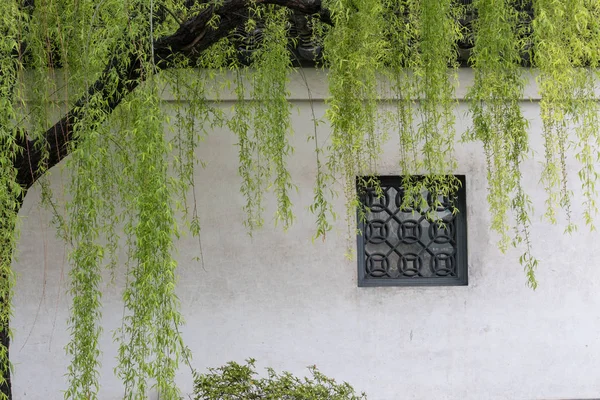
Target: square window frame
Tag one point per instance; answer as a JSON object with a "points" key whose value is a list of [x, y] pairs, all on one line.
{"points": [[461, 279]]}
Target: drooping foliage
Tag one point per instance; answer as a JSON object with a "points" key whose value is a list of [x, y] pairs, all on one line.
{"points": [[85, 78], [566, 38], [500, 42]]}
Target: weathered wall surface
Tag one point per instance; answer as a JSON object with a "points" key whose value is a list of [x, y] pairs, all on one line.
{"points": [[288, 302]]}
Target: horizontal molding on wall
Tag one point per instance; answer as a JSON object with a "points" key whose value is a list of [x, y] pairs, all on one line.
{"points": [[305, 84], [311, 84]]}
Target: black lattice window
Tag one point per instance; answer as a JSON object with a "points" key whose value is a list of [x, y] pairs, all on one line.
{"points": [[407, 247]]}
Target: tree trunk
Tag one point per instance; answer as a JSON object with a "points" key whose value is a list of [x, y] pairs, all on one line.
{"points": [[5, 388], [6, 297]]}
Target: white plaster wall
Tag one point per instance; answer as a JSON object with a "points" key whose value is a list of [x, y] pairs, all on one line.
{"points": [[288, 302]]}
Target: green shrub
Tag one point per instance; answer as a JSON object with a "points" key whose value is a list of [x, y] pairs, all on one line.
{"points": [[236, 382]]}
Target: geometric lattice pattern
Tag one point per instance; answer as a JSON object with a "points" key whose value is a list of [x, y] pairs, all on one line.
{"points": [[411, 247]]}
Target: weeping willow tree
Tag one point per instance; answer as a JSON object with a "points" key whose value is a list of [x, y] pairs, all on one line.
{"points": [[83, 79]]}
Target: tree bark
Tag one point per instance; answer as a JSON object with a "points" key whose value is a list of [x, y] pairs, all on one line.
{"points": [[6, 387]]}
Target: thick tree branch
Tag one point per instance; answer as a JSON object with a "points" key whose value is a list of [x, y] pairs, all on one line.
{"points": [[190, 40]]}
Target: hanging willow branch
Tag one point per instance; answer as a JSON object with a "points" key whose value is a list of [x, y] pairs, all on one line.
{"points": [[500, 40]]}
